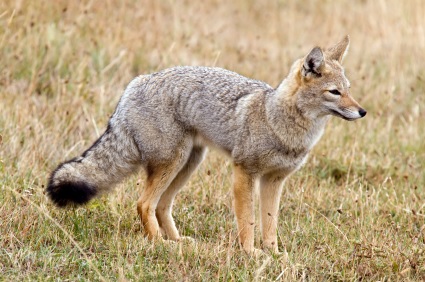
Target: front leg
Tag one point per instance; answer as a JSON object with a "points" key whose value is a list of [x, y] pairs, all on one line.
{"points": [[270, 192], [243, 189]]}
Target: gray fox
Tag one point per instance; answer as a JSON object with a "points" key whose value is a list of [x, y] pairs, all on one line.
{"points": [[164, 121]]}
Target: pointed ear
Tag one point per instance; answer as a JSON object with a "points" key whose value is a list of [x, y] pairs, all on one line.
{"points": [[313, 63], [339, 50]]}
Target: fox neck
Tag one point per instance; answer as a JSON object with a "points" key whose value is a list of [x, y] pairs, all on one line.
{"points": [[287, 117]]}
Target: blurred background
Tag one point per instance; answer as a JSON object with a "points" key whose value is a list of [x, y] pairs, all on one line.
{"points": [[62, 58]]}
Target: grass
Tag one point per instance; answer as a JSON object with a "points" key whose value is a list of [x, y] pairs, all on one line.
{"points": [[355, 211]]}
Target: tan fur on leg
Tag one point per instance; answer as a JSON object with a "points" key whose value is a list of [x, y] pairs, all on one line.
{"points": [[244, 207], [270, 192], [158, 181], [164, 209]]}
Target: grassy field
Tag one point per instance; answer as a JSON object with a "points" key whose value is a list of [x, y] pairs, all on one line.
{"points": [[355, 211]]}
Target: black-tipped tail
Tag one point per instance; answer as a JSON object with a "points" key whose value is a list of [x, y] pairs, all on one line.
{"points": [[112, 157], [70, 193]]}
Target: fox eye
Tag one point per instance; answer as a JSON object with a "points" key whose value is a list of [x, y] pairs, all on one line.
{"points": [[335, 92]]}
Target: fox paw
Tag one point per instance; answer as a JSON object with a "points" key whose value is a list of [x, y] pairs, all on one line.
{"points": [[271, 249], [186, 239], [255, 253]]}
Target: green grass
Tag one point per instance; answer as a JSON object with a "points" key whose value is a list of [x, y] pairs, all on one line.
{"points": [[355, 211]]}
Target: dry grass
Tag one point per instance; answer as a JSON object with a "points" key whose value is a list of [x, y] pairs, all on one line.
{"points": [[354, 212]]}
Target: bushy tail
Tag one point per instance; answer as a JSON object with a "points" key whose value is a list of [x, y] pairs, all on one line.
{"points": [[111, 158]]}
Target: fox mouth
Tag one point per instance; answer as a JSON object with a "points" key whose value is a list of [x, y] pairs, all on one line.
{"points": [[338, 114]]}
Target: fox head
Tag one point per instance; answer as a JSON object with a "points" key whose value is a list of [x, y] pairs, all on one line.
{"points": [[323, 88]]}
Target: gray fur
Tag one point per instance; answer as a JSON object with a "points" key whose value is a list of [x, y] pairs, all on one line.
{"points": [[164, 121], [208, 106], [168, 112]]}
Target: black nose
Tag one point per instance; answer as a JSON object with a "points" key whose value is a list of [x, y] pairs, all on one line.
{"points": [[362, 112]]}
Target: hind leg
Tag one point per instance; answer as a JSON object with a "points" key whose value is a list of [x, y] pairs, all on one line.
{"points": [[159, 178], [164, 208]]}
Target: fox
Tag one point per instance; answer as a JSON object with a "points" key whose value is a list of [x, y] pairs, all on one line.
{"points": [[166, 121]]}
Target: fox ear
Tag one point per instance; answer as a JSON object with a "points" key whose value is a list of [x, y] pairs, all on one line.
{"points": [[339, 50], [313, 63]]}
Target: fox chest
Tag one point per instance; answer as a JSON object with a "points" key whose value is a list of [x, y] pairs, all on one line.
{"points": [[284, 159], [290, 156]]}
